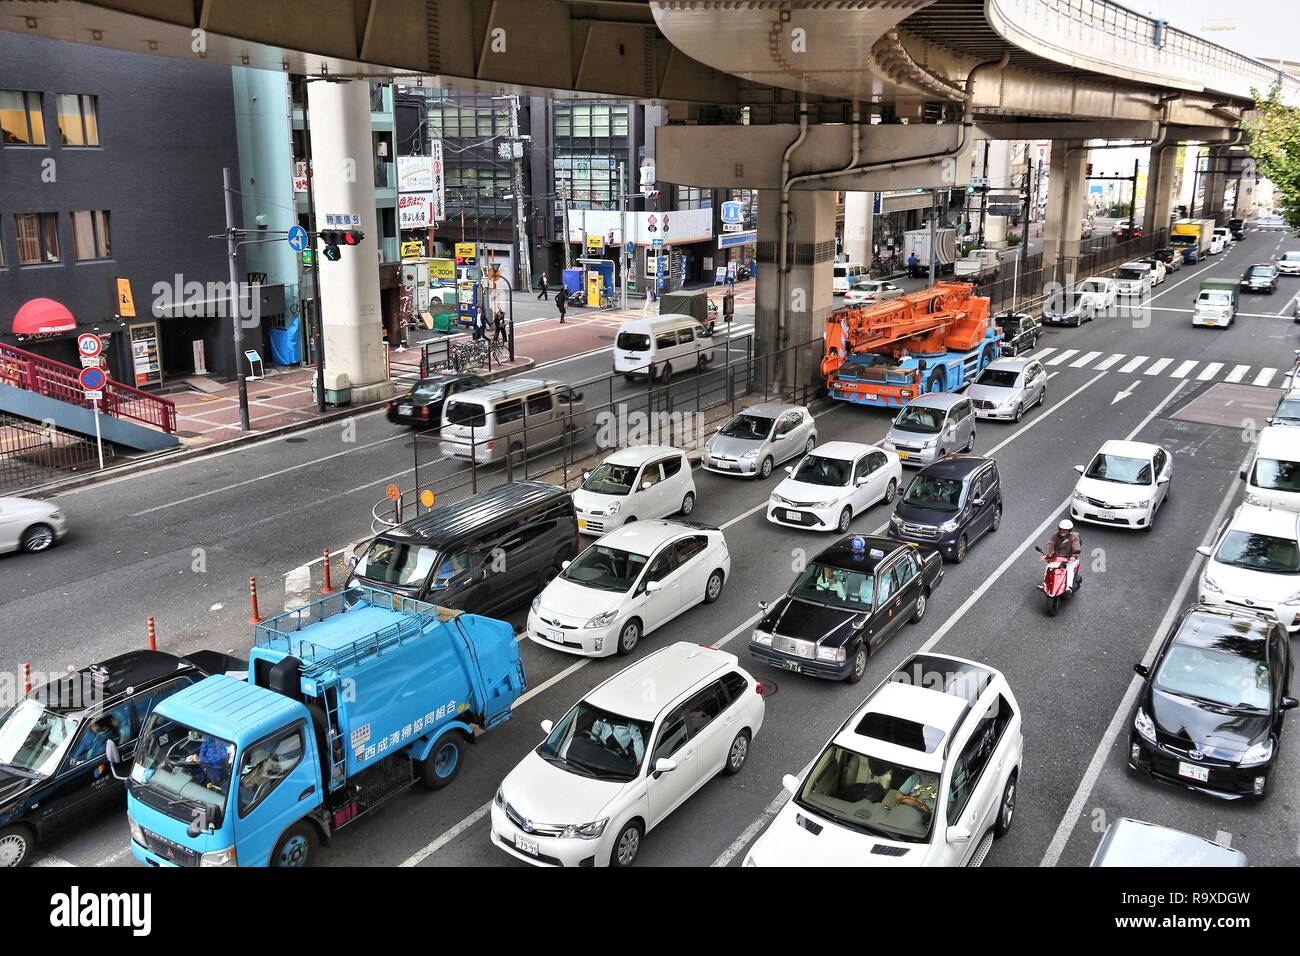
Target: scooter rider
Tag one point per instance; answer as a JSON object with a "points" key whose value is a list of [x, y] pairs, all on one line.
{"points": [[1067, 544]]}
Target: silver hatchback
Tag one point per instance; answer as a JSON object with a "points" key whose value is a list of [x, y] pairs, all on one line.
{"points": [[1007, 387], [930, 427], [760, 438]]}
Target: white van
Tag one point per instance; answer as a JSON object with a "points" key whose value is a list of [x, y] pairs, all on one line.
{"points": [[665, 344], [1273, 478], [847, 273], [515, 415]]}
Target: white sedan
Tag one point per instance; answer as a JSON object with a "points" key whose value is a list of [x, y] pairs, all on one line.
{"points": [[1123, 486], [872, 291], [633, 580], [1254, 564], [29, 525], [834, 483]]}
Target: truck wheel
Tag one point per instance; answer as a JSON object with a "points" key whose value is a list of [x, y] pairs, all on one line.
{"points": [[443, 763], [295, 846], [16, 845], [936, 383]]}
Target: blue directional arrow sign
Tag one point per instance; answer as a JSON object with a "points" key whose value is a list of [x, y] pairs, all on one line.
{"points": [[297, 238]]}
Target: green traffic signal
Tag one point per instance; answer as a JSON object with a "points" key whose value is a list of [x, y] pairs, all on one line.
{"points": [[332, 253]]}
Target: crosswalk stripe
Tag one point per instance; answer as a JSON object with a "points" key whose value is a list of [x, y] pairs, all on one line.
{"points": [[1183, 370], [1209, 371], [1265, 376], [1107, 363], [1081, 362], [1041, 354], [1137, 361], [1159, 365], [1064, 356], [1238, 373]]}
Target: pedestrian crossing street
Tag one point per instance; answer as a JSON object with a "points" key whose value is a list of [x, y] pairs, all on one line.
{"points": [[1171, 367]]}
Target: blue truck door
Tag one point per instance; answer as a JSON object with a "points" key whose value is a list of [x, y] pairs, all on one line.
{"points": [[278, 784]]}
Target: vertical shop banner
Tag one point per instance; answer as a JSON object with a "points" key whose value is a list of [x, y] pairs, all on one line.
{"points": [[439, 185], [125, 301], [414, 174], [414, 210], [300, 176]]}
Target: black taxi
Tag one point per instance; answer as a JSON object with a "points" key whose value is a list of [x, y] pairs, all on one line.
{"points": [[1020, 332], [849, 600]]}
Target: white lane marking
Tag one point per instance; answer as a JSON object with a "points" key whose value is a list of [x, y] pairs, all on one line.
{"points": [[297, 587], [1107, 363], [1117, 722], [1237, 374], [1264, 377], [447, 836], [1081, 362], [1064, 356], [1223, 838], [1209, 371], [1158, 366], [1138, 360], [49, 859], [1042, 353], [1183, 370]]}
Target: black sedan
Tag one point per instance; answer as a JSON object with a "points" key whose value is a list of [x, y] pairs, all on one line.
{"points": [[1068, 310], [1210, 713], [1261, 277], [1020, 332], [422, 405], [848, 601]]}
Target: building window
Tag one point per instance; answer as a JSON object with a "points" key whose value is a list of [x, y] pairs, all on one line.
{"points": [[90, 235], [591, 120], [38, 237], [591, 182], [21, 119], [450, 120], [690, 197], [78, 120]]}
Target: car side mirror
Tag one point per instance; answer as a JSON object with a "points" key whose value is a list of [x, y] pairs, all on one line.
{"points": [[547, 727], [647, 485], [1142, 671], [114, 755], [977, 502], [586, 475], [1203, 551], [958, 835], [353, 561], [652, 586], [790, 782], [1162, 480], [1268, 421], [860, 481], [664, 765], [1079, 469], [1290, 703], [789, 469], [1242, 474]]}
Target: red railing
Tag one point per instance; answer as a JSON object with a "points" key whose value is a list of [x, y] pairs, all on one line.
{"points": [[56, 380]]}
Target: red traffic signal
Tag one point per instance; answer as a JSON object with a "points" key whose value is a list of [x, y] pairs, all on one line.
{"points": [[333, 238]]}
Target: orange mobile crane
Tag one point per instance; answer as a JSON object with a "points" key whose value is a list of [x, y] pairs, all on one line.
{"points": [[936, 340]]}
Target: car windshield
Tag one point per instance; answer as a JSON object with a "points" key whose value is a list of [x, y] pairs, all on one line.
{"points": [[931, 491], [918, 418], [1126, 471], [867, 287], [823, 584], [998, 378], [428, 390], [1260, 552], [1219, 675], [1091, 286], [471, 414], [396, 563], [182, 771], [870, 795], [1291, 257], [33, 738], [817, 469], [1262, 271], [1215, 298], [1130, 273], [605, 568], [1288, 410], [633, 341], [752, 427], [609, 479], [592, 742], [1275, 474]]}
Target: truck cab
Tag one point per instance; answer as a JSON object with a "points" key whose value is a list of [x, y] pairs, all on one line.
{"points": [[1216, 304]]}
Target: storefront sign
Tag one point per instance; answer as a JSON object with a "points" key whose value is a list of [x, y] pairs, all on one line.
{"points": [[596, 245], [443, 269], [465, 254], [125, 302], [415, 211], [300, 176], [439, 187], [414, 174], [144, 354], [413, 249]]}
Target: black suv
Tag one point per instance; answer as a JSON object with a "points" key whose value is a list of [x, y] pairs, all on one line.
{"points": [[949, 505], [1210, 712], [1020, 332]]}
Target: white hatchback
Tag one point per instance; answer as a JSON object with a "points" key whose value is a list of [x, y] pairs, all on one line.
{"points": [[1123, 486], [1254, 564], [834, 483], [923, 773], [626, 756], [627, 584], [633, 484]]}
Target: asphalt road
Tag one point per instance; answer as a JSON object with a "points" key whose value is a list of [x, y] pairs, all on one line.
{"points": [[268, 508]]}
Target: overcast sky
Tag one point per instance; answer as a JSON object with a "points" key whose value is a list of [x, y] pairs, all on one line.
{"points": [[1269, 28]]}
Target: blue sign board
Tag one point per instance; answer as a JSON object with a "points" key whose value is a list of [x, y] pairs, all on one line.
{"points": [[297, 238], [732, 211]]}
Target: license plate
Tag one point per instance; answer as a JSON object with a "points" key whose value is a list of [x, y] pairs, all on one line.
{"points": [[1193, 772], [582, 524], [524, 845], [405, 409], [1106, 515], [789, 665], [902, 454], [723, 464], [792, 516]]}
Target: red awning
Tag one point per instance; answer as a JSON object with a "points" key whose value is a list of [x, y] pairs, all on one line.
{"points": [[43, 317]]}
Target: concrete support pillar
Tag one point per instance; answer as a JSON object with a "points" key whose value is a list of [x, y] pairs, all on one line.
{"points": [[858, 227], [344, 182], [999, 175], [1160, 185], [1216, 182], [810, 242], [1065, 195]]}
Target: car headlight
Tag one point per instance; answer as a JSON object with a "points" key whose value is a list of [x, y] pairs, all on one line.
{"points": [[708, 446], [1209, 584], [537, 603], [778, 500], [930, 443], [830, 654], [763, 638], [603, 620], [500, 798], [585, 831], [1079, 495], [752, 453], [895, 521], [224, 857], [613, 508], [1142, 723], [887, 443], [950, 525], [1258, 754], [137, 832]]}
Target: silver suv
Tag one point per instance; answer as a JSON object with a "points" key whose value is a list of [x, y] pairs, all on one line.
{"points": [[930, 427]]}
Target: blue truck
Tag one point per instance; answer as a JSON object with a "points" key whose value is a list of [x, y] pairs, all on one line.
{"points": [[344, 708]]}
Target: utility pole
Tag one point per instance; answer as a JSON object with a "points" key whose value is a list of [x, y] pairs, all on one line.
{"points": [[232, 254], [934, 233], [318, 330], [564, 223], [1133, 207], [521, 223], [622, 230]]}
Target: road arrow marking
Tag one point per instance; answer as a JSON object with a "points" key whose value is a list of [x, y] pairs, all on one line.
{"points": [[1126, 393]]}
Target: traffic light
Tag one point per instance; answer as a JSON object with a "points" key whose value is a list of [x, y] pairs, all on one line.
{"points": [[333, 238]]}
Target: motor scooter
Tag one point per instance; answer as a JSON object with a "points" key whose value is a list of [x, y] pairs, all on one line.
{"points": [[1055, 577]]}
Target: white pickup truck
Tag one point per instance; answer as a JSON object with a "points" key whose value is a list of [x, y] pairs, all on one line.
{"points": [[978, 264]]}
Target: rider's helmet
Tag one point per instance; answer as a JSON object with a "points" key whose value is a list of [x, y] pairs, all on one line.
{"points": [[1066, 525]]}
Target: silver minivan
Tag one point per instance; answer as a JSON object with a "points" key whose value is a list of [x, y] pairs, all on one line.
{"points": [[516, 415], [930, 427]]}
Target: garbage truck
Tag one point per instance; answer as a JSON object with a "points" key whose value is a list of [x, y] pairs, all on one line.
{"points": [[344, 708]]}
